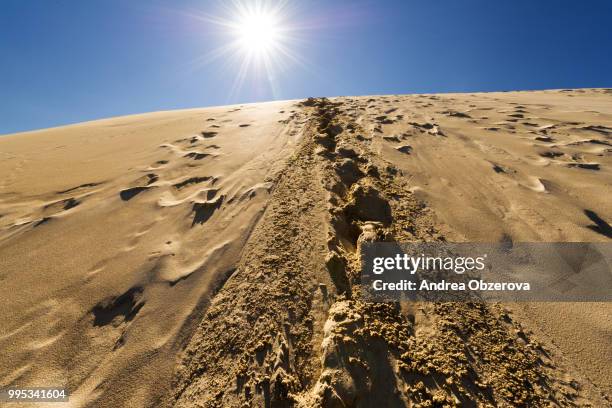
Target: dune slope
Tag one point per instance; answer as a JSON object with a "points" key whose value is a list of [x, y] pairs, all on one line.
{"points": [[209, 257], [115, 235]]}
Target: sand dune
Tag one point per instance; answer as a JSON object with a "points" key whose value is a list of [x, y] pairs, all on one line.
{"points": [[207, 257], [116, 233]]}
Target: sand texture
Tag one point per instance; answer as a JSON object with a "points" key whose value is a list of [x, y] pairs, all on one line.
{"points": [[209, 257]]}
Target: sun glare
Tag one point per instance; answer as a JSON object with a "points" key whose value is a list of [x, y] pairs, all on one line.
{"points": [[258, 32], [261, 41]]}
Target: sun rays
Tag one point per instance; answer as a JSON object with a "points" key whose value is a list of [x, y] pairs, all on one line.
{"points": [[258, 42]]}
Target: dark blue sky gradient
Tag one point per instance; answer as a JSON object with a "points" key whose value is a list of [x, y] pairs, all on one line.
{"points": [[70, 61]]}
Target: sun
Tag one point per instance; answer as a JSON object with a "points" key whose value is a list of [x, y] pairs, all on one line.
{"points": [[258, 32], [260, 40]]}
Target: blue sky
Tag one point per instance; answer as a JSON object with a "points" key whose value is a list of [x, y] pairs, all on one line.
{"points": [[66, 61]]}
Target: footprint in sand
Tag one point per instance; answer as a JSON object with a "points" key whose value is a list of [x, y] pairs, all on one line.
{"points": [[203, 211], [42, 221], [546, 139], [498, 168], [55, 208], [391, 138], [455, 114], [190, 181], [406, 149], [167, 199], [551, 154], [63, 204], [159, 163], [604, 130], [431, 128], [196, 155], [123, 307], [592, 141], [142, 184], [601, 226], [130, 193], [384, 120], [80, 187], [586, 166]]}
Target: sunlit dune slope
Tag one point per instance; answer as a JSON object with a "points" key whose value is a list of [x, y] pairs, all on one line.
{"points": [[208, 257]]}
